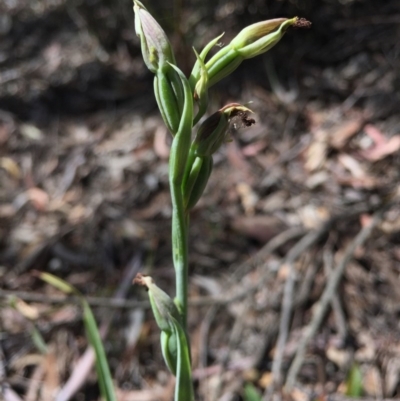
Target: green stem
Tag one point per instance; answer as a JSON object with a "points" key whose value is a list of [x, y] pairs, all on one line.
{"points": [[179, 249], [177, 164]]}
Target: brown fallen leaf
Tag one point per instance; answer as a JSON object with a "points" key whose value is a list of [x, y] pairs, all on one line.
{"points": [[31, 132], [365, 220], [66, 314], [392, 375], [265, 380], [34, 383], [13, 321], [351, 164], [359, 177], [372, 382], [299, 395], [316, 153], [341, 134], [375, 134], [368, 349], [7, 210], [382, 146], [39, 198], [260, 228], [11, 167], [248, 198], [7, 126], [254, 148], [155, 393], [391, 223], [312, 216], [340, 357], [28, 311], [365, 182], [51, 382], [239, 163]]}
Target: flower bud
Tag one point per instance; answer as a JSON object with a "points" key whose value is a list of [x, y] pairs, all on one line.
{"points": [[201, 90], [212, 132], [156, 49], [174, 342], [260, 37], [250, 42], [162, 305]]}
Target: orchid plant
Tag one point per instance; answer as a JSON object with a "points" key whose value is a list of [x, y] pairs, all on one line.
{"points": [[183, 103]]}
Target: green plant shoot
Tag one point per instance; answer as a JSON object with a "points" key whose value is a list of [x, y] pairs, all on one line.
{"points": [[182, 103]]}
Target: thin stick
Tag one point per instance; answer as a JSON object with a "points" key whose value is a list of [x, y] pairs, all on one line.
{"points": [[204, 331], [331, 286], [259, 258], [340, 318], [61, 299], [115, 303], [286, 310], [5, 389], [303, 244]]}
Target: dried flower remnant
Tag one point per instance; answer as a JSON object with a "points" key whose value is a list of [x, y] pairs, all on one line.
{"points": [[302, 23], [213, 131], [244, 119]]}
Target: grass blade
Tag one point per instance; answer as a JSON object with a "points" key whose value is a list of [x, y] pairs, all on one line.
{"points": [[93, 335]]}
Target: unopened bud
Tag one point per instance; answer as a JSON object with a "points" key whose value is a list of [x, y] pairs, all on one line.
{"points": [[162, 305], [156, 49], [260, 37], [173, 337], [250, 42]]}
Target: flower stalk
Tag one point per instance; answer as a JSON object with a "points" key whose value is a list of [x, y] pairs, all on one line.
{"points": [[191, 159]]}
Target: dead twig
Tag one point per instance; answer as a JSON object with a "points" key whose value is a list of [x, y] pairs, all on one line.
{"points": [[204, 331], [288, 293], [118, 303], [340, 318], [9, 394], [286, 310], [307, 282], [326, 298], [61, 299], [259, 258], [6, 391], [340, 397]]}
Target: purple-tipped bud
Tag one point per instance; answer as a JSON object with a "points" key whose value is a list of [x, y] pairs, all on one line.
{"points": [[156, 49]]}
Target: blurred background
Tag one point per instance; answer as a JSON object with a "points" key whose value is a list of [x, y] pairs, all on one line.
{"points": [[84, 195]]}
